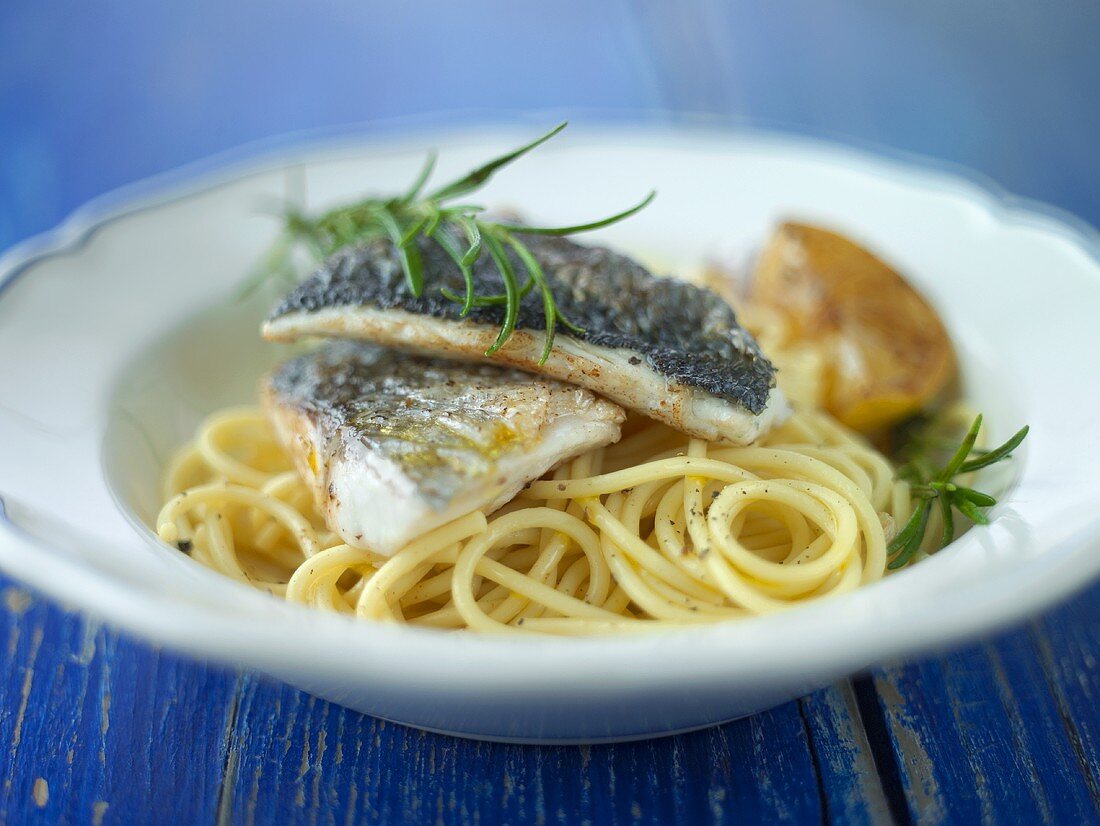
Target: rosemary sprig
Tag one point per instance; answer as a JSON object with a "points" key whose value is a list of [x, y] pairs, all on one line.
{"points": [[460, 229], [937, 487]]}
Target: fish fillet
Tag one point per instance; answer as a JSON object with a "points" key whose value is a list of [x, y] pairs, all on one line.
{"points": [[663, 347], [393, 445]]}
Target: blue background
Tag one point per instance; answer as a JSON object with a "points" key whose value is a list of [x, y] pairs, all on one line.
{"points": [[94, 95]]}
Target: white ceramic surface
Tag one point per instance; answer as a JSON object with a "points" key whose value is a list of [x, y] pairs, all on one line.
{"points": [[118, 332]]}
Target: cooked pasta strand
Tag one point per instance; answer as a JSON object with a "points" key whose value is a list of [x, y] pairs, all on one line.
{"points": [[657, 531]]}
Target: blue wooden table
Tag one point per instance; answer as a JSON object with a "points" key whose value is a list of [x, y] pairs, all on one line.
{"points": [[97, 727]]}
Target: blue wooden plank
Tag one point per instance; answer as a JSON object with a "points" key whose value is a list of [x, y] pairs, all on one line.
{"points": [[977, 737], [852, 792], [1069, 643], [94, 728], [1061, 772], [289, 748], [310, 760]]}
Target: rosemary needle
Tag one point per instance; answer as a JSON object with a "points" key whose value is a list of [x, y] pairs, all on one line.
{"points": [[931, 486]]}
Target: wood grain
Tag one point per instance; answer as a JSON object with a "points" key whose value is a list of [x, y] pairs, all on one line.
{"points": [[978, 735], [852, 790], [98, 728], [328, 764], [94, 727], [1068, 642]]}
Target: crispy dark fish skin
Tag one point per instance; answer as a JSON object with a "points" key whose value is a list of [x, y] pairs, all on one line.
{"points": [[684, 332]]}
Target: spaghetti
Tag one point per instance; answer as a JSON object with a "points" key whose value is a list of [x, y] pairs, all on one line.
{"points": [[659, 529]]}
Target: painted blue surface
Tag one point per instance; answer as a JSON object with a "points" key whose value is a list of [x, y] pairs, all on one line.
{"points": [[93, 725]]}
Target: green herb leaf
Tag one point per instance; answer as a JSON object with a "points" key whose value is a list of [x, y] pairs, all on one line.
{"points": [[413, 232], [997, 454], [411, 262], [982, 500], [549, 308], [603, 222], [433, 222], [511, 291], [451, 248], [967, 444], [971, 512], [421, 179], [565, 322], [908, 541], [948, 522], [483, 173], [908, 531], [473, 235], [927, 484]]}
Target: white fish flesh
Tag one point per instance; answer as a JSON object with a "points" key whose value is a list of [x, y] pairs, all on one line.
{"points": [[393, 445]]}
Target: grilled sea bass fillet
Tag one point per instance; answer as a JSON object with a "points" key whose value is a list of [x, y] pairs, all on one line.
{"points": [[394, 445], [663, 347]]}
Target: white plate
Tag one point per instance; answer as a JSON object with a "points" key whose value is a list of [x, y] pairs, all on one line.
{"points": [[118, 333]]}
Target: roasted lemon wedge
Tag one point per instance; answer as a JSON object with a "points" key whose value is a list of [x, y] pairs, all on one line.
{"points": [[858, 336]]}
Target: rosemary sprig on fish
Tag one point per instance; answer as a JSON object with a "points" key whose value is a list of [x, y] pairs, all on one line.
{"points": [[461, 230], [933, 486], [661, 346]]}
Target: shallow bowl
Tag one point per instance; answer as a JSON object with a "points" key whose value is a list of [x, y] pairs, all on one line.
{"points": [[120, 331]]}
